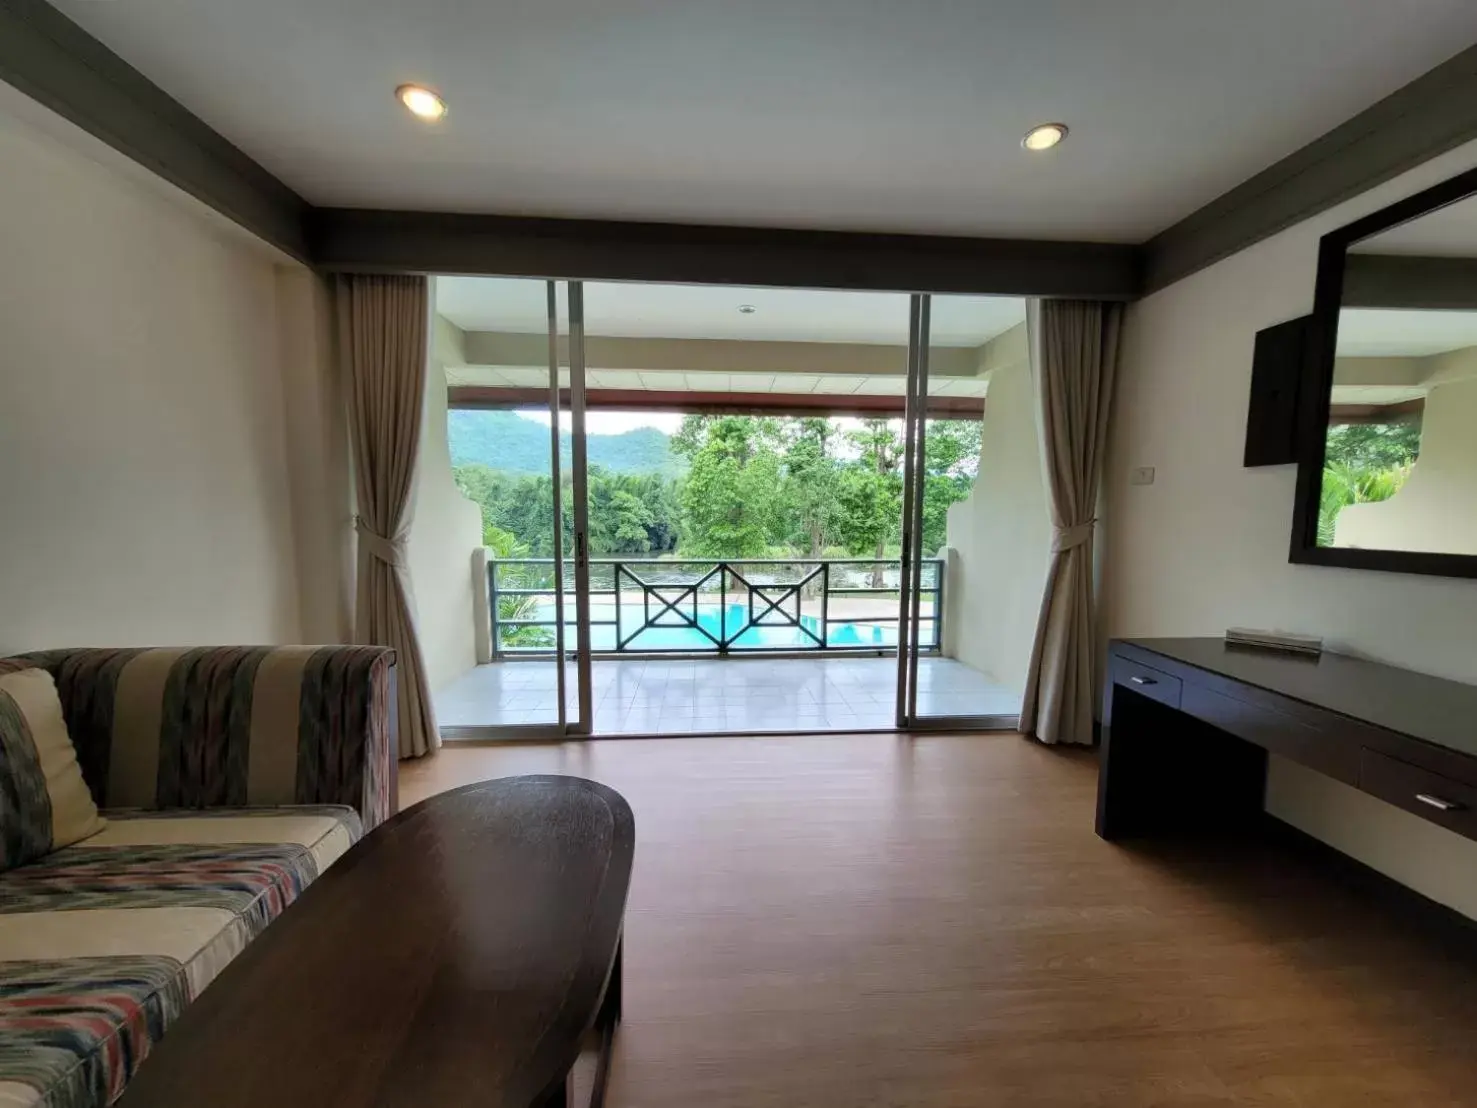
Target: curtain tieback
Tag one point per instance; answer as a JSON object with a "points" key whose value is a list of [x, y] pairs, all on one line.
{"points": [[389, 551], [1066, 538]]}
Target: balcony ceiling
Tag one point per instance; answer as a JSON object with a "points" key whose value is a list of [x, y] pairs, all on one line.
{"points": [[848, 114], [712, 312], [1403, 333]]}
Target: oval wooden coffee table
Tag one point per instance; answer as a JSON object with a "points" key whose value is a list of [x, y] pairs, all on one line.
{"points": [[456, 956]]}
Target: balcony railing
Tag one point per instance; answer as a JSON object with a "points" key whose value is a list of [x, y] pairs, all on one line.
{"points": [[712, 606]]}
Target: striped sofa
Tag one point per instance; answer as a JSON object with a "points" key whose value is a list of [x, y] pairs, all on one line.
{"points": [[230, 777]]}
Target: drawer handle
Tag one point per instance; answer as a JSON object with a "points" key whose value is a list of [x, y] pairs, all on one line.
{"points": [[1143, 681], [1437, 803]]}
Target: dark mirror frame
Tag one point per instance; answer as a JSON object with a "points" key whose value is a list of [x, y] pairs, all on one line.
{"points": [[1317, 390]]}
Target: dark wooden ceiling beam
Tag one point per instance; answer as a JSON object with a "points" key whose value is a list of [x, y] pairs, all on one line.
{"points": [[1432, 114], [428, 242], [56, 62]]}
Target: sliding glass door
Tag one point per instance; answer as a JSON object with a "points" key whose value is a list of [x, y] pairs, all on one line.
{"points": [[802, 517], [534, 677], [974, 519]]}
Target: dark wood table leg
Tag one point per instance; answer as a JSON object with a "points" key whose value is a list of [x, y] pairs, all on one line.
{"points": [[1162, 771], [605, 1022], [557, 1097], [610, 1004]]}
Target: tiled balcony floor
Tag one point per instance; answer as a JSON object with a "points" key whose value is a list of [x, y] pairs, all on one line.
{"points": [[676, 696]]}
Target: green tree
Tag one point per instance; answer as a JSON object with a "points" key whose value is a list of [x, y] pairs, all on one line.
{"points": [[1373, 445], [951, 456], [871, 493], [728, 495], [620, 520], [811, 485]]}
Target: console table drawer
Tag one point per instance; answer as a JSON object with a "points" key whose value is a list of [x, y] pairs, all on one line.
{"points": [[1439, 799], [1277, 731], [1153, 683]]}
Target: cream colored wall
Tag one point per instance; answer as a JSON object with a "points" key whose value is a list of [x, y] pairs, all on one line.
{"points": [[1436, 508], [1001, 532], [445, 532], [147, 496], [318, 456], [1205, 546]]}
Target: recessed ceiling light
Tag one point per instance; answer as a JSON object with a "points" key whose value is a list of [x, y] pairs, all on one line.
{"points": [[422, 102], [747, 309], [1045, 136]]}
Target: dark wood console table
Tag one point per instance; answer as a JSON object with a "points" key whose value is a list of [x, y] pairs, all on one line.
{"points": [[1188, 724]]}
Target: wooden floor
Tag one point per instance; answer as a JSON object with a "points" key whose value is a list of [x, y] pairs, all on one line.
{"points": [[880, 921]]}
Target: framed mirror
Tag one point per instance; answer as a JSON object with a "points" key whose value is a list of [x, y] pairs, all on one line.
{"points": [[1387, 470]]}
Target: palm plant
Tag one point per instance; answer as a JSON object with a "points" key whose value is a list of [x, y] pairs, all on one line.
{"points": [[519, 606], [1345, 483]]}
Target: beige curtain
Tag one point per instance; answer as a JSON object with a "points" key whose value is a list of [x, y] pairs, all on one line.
{"points": [[1074, 355], [382, 351]]}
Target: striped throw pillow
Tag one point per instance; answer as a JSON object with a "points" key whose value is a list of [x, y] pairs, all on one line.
{"points": [[44, 803]]}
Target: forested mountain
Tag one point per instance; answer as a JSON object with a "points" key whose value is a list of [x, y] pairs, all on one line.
{"points": [[506, 441]]}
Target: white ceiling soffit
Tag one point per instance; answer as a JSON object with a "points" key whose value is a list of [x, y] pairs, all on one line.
{"points": [[712, 312], [1387, 333], [848, 114], [1375, 394], [1449, 232], [788, 384]]}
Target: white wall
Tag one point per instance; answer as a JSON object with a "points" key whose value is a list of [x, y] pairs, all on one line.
{"points": [[1002, 535], [445, 532], [318, 456], [1436, 508], [147, 496], [1205, 547]]}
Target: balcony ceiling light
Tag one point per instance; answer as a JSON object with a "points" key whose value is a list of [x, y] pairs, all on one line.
{"points": [[1045, 136], [422, 102]]}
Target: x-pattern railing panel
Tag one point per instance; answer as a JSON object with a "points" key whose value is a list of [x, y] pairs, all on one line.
{"points": [[674, 594]]}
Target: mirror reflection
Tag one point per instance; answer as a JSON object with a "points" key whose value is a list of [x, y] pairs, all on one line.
{"points": [[1400, 457]]}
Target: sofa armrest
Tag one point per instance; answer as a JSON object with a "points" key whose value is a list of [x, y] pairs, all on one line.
{"points": [[205, 727]]}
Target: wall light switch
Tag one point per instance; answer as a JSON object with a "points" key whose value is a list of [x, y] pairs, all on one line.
{"points": [[1141, 475]]}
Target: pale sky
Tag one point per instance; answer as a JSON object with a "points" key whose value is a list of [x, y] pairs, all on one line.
{"points": [[614, 423]]}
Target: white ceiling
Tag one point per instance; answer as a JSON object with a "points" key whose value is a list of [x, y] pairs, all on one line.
{"points": [[1450, 232], [831, 384], [1389, 333], [858, 114], [1376, 394], [711, 312]]}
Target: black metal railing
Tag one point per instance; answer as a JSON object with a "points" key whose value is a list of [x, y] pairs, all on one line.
{"points": [[697, 606]]}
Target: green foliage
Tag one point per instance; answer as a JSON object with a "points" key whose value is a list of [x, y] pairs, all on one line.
{"points": [[736, 487], [730, 495], [1369, 446], [1364, 463], [502, 544], [1345, 484], [951, 458]]}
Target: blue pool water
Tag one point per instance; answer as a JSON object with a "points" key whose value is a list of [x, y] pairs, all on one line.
{"points": [[772, 632]]}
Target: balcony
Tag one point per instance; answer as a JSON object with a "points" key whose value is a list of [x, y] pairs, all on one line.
{"points": [[688, 645]]}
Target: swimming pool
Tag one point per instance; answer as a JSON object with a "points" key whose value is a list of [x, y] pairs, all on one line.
{"points": [[772, 633]]}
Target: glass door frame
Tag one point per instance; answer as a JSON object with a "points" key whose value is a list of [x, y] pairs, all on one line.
{"points": [[910, 583], [563, 726]]}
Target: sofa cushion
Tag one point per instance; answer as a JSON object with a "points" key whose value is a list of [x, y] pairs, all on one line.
{"points": [[102, 944], [44, 803]]}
